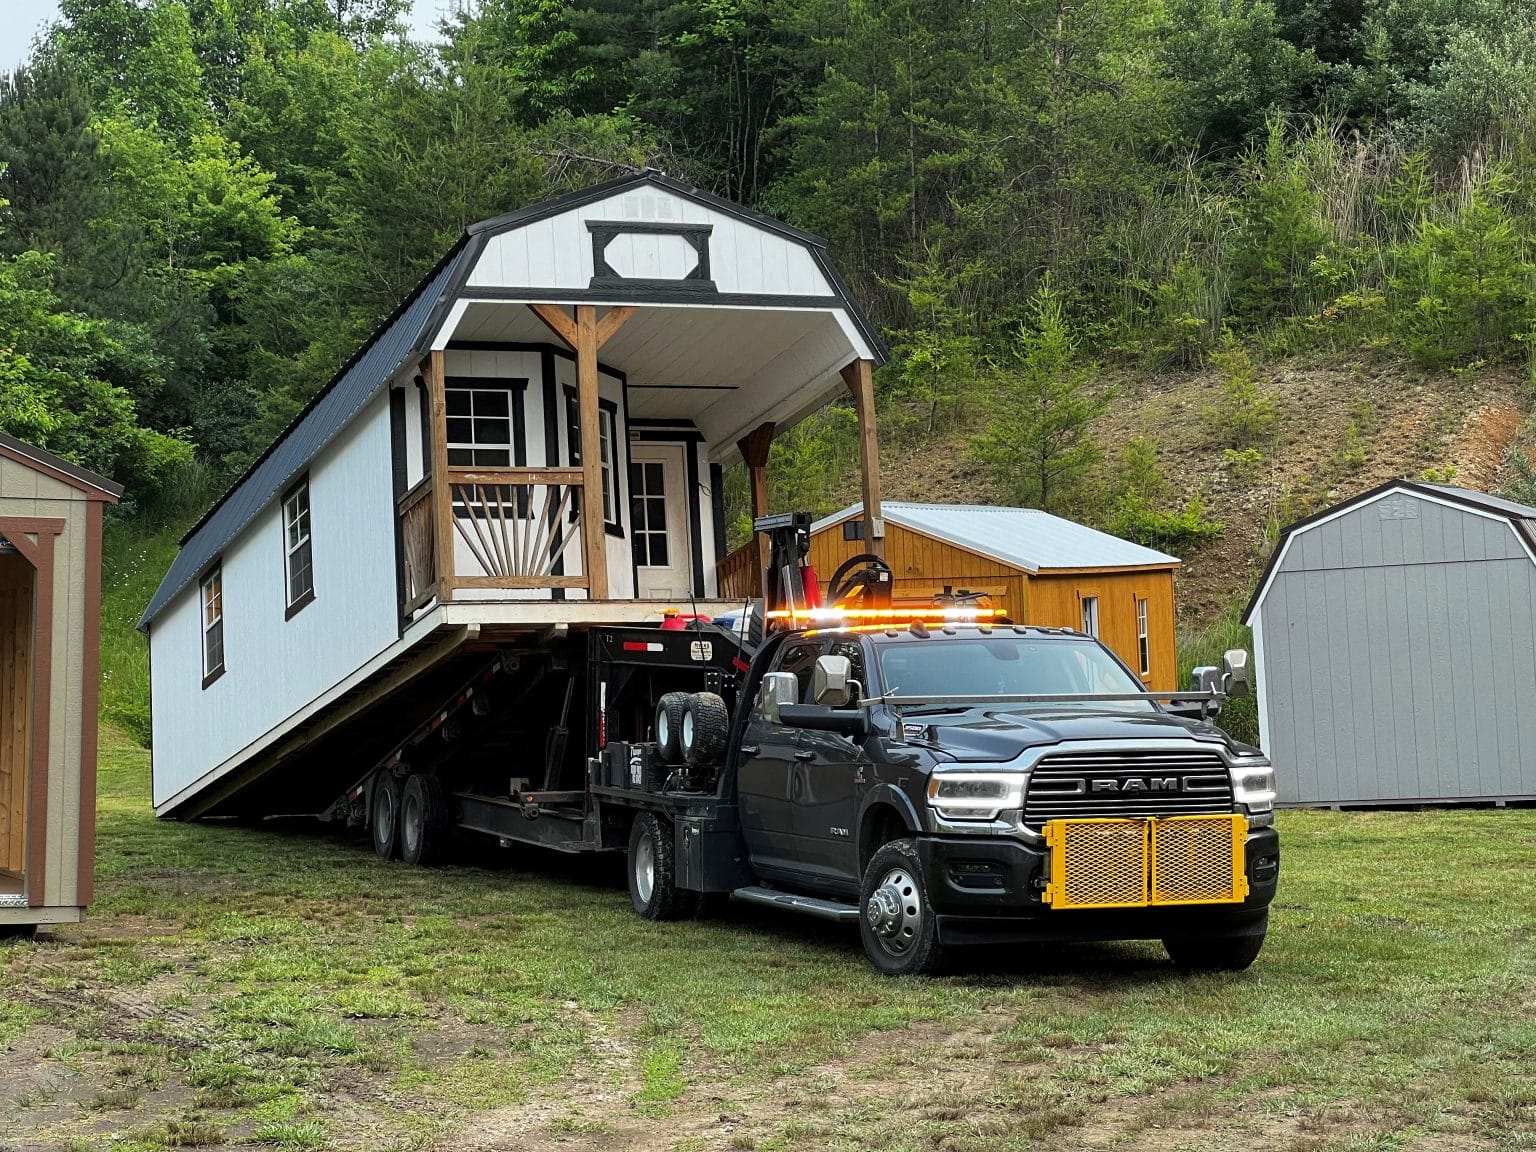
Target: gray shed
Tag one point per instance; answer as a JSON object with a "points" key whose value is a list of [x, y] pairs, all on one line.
{"points": [[1395, 648]]}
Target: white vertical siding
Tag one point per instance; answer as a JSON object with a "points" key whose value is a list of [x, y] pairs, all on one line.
{"points": [[1399, 657], [276, 666], [557, 252]]}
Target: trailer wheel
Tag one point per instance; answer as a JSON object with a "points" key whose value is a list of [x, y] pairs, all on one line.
{"points": [[706, 727], [423, 821], [384, 813], [669, 725], [653, 886], [897, 924], [1214, 953]]}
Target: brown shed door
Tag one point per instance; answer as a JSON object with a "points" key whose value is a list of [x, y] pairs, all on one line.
{"points": [[16, 581]]}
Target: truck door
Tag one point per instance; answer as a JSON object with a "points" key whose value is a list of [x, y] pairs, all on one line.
{"points": [[830, 778], [766, 773]]}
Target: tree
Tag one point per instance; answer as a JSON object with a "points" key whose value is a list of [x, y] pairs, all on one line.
{"points": [[1040, 444]]}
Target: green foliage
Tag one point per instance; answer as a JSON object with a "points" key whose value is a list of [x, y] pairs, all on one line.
{"points": [[1244, 413], [1282, 233], [936, 361], [1242, 464], [1439, 475], [1039, 447], [1134, 517]]}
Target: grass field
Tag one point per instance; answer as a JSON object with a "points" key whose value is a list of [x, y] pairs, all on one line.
{"points": [[240, 986]]}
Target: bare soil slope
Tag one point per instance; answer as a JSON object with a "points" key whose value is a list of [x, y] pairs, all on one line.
{"points": [[1342, 429]]}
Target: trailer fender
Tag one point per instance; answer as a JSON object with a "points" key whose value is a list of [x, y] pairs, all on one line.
{"points": [[886, 813]]}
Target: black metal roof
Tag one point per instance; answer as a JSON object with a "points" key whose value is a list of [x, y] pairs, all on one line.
{"points": [[405, 333], [1522, 518]]}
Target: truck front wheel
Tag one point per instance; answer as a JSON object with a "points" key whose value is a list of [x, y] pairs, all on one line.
{"points": [[896, 922], [1213, 953], [653, 886]]}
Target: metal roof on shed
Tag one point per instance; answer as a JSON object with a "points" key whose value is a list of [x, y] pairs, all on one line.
{"points": [[328, 413], [1026, 538]]}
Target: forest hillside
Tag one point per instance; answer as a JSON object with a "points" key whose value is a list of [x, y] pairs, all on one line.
{"points": [[1184, 269]]}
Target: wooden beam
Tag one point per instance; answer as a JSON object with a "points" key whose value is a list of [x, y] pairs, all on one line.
{"points": [[754, 448], [591, 453], [434, 371], [859, 375], [611, 322], [556, 320]]}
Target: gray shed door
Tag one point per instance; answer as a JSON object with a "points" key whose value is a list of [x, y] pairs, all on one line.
{"points": [[1399, 658]]}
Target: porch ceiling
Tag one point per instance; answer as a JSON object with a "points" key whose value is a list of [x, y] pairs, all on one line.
{"points": [[726, 369]]}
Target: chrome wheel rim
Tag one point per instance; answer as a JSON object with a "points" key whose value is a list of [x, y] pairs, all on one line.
{"points": [[645, 868], [894, 912]]}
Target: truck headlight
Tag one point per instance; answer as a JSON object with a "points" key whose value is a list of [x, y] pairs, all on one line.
{"points": [[1253, 786], [960, 795]]}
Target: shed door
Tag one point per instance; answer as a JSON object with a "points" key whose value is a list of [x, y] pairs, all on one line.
{"points": [[16, 590], [659, 511]]}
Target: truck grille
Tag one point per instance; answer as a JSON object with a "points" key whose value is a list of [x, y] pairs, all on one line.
{"points": [[1141, 782]]}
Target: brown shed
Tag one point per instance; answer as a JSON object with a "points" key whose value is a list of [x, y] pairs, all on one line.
{"points": [[50, 657], [1037, 569]]}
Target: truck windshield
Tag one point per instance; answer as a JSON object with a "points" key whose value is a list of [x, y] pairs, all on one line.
{"points": [[1006, 666]]}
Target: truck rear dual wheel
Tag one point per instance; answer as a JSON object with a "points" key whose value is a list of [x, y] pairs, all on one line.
{"points": [[896, 921], [653, 886], [424, 827], [1214, 953], [384, 814]]}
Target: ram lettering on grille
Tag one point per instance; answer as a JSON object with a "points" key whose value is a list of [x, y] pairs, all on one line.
{"points": [[1143, 782]]}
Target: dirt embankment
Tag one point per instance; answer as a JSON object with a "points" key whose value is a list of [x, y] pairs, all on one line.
{"points": [[1341, 429]]}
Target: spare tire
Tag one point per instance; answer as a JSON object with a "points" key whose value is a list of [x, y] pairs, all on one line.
{"points": [[669, 725], [705, 729]]}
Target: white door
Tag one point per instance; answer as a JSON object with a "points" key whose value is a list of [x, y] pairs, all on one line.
{"points": [[658, 514]]}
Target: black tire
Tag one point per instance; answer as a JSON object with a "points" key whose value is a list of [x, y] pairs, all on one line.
{"points": [[669, 726], [653, 886], [897, 922], [706, 728], [1214, 953], [384, 814], [424, 826]]}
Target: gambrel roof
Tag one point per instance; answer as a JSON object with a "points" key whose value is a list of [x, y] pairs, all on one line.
{"points": [[550, 252], [1025, 538]]}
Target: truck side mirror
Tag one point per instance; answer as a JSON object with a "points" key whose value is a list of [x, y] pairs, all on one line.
{"points": [[777, 688], [1205, 678], [1234, 665], [829, 681]]}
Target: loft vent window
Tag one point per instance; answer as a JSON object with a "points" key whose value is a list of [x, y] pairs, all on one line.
{"points": [[1142, 646], [298, 558], [213, 625]]}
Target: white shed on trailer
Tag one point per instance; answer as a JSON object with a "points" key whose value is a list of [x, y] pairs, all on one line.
{"points": [[533, 440]]}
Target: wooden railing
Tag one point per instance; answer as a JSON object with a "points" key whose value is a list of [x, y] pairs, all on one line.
{"points": [[518, 523], [740, 575], [418, 552]]}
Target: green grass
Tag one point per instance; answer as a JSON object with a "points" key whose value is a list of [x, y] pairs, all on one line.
{"points": [[133, 560], [281, 987]]}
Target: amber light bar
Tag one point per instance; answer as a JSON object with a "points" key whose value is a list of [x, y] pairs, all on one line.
{"points": [[923, 614]]}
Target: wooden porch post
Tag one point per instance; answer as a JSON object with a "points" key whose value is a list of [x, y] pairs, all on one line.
{"points": [[754, 448], [442, 491], [592, 529], [859, 376]]}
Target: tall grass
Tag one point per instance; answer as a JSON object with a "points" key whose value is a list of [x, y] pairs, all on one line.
{"points": [[133, 561], [1205, 645]]}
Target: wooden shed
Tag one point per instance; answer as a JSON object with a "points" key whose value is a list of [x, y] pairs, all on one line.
{"points": [[50, 669], [1037, 569], [1394, 640]]}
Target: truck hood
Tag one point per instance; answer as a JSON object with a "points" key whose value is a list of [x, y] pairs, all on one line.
{"points": [[996, 737]]}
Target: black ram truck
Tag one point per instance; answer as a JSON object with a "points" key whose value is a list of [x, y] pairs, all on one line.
{"points": [[968, 785]]}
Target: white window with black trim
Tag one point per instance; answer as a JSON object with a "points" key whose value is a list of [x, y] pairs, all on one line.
{"points": [[608, 438], [211, 592], [298, 554], [1091, 616], [485, 430], [1143, 646]]}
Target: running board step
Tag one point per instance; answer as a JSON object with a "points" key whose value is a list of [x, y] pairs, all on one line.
{"points": [[807, 905]]}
